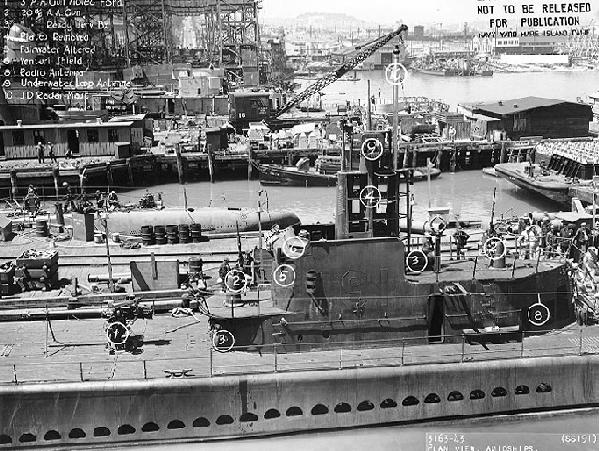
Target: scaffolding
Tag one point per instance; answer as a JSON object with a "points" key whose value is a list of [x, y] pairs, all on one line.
{"points": [[139, 32]]}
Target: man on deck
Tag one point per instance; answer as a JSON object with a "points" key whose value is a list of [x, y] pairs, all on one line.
{"points": [[40, 152], [69, 202], [223, 270], [461, 239], [51, 153]]}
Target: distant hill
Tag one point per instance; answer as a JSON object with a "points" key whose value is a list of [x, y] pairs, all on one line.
{"points": [[323, 20]]}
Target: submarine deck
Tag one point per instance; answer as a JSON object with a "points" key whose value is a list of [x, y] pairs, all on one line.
{"points": [[75, 350], [463, 270]]}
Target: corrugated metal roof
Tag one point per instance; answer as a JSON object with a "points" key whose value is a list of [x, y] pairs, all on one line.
{"points": [[512, 106]]}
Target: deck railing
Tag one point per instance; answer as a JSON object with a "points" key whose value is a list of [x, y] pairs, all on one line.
{"points": [[275, 358]]}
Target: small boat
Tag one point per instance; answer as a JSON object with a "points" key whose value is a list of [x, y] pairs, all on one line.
{"points": [[274, 174]]}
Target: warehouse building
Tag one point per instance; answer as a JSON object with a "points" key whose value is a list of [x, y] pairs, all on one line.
{"points": [[528, 116]]}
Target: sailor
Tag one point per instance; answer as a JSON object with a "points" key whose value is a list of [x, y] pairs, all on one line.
{"points": [[197, 278], [69, 153], [545, 229], [31, 199], [147, 201], [581, 241], [566, 235], [529, 242], [428, 247], [40, 152], [99, 199], [51, 153], [461, 239], [113, 199], [69, 202], [223, 270]]}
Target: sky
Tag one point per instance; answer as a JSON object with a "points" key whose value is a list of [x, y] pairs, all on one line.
{"points": [[411, 12], [383, 11]]}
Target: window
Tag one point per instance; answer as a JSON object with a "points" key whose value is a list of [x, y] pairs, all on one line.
{"points": [[93, 135], [113, 135], [18, 138], [38, 137]]}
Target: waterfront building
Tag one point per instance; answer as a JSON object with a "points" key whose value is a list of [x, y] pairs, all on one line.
{"points": [[86, 139], [529, 116]]}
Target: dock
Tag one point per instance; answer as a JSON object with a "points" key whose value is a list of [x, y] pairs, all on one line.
{"points": [[100, 172]]}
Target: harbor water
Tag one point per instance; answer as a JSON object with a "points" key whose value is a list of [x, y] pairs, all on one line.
{"points": [[565, 85], [468, 194]]}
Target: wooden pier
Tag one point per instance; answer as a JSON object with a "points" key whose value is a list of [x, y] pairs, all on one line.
{"points": [[180, 166]]}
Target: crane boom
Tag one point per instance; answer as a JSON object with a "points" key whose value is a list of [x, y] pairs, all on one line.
{"points": [[332, 77]]}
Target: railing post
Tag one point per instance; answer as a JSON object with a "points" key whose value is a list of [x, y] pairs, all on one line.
{"points": [[340, 358], [275, 358], [145, 370], [81, 371], [14, 373], [403, 347], [580, 342], [463, 346], [211, 362], [522, 344]]}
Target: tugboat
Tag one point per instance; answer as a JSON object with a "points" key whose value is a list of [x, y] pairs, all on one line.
{"points": [[361, 280]]}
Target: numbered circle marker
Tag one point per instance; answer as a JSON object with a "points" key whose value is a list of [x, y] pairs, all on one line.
{"points": [[117, 333], [372, 149], [416, 261], [294, 247], [538, 314], [490, 248], [284, 275], [223, 340], [438, 225], [370, 196], [235, 281], [396, 73]]}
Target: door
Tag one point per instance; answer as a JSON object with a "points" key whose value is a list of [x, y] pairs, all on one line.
{"points": [[73, 140], [436, 313], [1, 144]]}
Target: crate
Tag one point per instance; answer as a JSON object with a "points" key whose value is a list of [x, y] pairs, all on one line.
{"points": [[6, 289], [7, 275], [32, 261]]}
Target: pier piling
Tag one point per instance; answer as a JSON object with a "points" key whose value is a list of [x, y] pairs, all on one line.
{"points": [[180, 169], [55, 177], [210, 162], [109, 176], [130, 172], [13, 183]]}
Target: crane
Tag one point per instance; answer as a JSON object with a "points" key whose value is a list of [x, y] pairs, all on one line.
{"points": [[332, 77]]}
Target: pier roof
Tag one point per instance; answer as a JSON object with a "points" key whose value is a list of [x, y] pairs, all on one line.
{"points": [[513, 106], [67, 125]]}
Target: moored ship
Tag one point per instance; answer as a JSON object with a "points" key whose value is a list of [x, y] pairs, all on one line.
{"points": [[346, 287], [558, 166]]}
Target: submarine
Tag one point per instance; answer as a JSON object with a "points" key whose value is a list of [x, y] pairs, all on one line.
{"points": [[213, 220]]}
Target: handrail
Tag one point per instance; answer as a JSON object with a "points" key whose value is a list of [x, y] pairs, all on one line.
{"points": [[272, 358]]}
